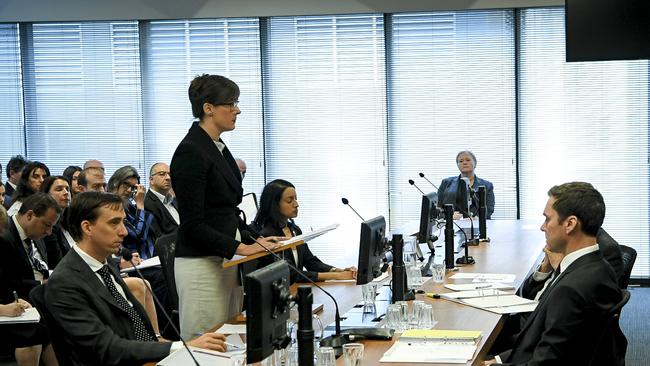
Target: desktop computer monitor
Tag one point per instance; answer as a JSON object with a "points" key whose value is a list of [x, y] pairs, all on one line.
{"points": [[372, 246], [267, 310], [428, 216]]}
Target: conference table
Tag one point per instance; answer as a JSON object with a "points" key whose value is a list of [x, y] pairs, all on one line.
{"points": [[515, 248]]}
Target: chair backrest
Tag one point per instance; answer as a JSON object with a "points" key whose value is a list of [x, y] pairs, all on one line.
{"points": [[612, 344], [37, 296], [629, 257], [165, 248]]}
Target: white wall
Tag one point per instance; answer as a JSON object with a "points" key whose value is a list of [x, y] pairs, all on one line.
{"points": [[76, 10]]}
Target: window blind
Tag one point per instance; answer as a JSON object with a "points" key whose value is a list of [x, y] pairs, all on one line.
{"points": [[584, 121], [176, 51], [11, 102], [82, 94], [325, 122], [451, 88]]}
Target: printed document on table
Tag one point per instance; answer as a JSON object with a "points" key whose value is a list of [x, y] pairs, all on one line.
{"points": [[203, 357], [473, 294], [497, 301], [474, 286], [485, 277], [430, 352]]}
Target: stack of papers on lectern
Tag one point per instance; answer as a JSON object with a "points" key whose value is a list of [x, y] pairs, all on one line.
{"points": [[433, 346], [30, 315]]}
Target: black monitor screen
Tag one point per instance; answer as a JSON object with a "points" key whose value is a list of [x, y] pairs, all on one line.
{"points": [[428, 216], [372, 247], [267, 310], [601, 30]]}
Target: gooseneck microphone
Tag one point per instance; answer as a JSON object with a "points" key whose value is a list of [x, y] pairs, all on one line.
{"points": [[411, 182], [128, 256], [245, 234], [425, 178], [347, 203]]}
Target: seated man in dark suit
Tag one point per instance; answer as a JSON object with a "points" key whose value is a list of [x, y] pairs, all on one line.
{"points": [[573, 308], [160, 202], [23, 263], [97, 316], [14, 169]]}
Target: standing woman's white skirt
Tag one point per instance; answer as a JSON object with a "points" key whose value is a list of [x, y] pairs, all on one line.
{"points": [[208, 294]]}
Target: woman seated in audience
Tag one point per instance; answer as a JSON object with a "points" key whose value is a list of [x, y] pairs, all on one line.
{"points": [[278, 208], [30, 340], [71, 173], [4, 220], [31, 178], [57, 243], [451, 189]]}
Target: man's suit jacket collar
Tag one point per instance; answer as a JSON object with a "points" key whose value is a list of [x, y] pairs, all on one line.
{"points": [[77, 264], [225, 161], [585, 259]]}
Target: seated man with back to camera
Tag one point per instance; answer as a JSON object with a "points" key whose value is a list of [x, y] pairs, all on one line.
{"points": [[451, 189], [97, 317]]}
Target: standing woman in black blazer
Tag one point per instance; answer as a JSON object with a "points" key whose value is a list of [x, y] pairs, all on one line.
{"points": [[208, 189]]}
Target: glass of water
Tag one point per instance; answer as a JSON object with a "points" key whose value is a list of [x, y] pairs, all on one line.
{"points": [[353, 354], [325, 356]]}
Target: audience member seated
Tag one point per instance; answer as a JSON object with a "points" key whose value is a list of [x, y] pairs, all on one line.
{"points": [[14, 169], [94, 163], [71, 173], [125, 182], [23, 264], [278, 208], [4, 220], [33, 175], [91, 180], [57, 244], [450, 188], [573, 307], [2, 194], [160, 201], [29, 340], [241, 165], [99, 319]]}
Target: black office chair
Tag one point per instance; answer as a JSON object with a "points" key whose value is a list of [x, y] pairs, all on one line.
{"points": [[165, 248], [629, 257], [61, 350], [612, 345]]}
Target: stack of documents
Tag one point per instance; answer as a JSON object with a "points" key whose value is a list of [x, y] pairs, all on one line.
{"points": [[485, 277], [493, 300], [433, 346]]}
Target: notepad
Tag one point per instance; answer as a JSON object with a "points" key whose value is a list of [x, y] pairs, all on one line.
{"points": [[147, 263], [442, 335], [433, 346], [30, 315], [203, 357], [310, 235]]}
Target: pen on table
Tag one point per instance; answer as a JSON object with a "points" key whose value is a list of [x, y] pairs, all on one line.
{"points": [[227, 343], [16, 297], [433, 295]]}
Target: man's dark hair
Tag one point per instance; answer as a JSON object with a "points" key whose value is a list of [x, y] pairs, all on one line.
{"points": [[82, 179], [16, 164], [581, 200], [213, 89], [39, 203], [85, 207]]}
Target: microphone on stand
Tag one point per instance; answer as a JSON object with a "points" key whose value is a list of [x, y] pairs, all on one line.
{"points": [[347, 203], [425, 178], [411, 182], [128, 256], [337, 340]]}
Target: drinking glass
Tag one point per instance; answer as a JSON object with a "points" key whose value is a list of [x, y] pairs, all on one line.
{"points": [[426, 319], [325, 357], [394, 317], [353, 354], [438, 273], [238, 359]]}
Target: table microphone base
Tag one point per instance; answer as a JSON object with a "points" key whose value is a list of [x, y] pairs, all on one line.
{"points": [[465, 260]]}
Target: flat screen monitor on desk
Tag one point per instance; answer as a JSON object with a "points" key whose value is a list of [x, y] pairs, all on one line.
{"points": [[267, 310], [372, 248], [428, 217]]}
